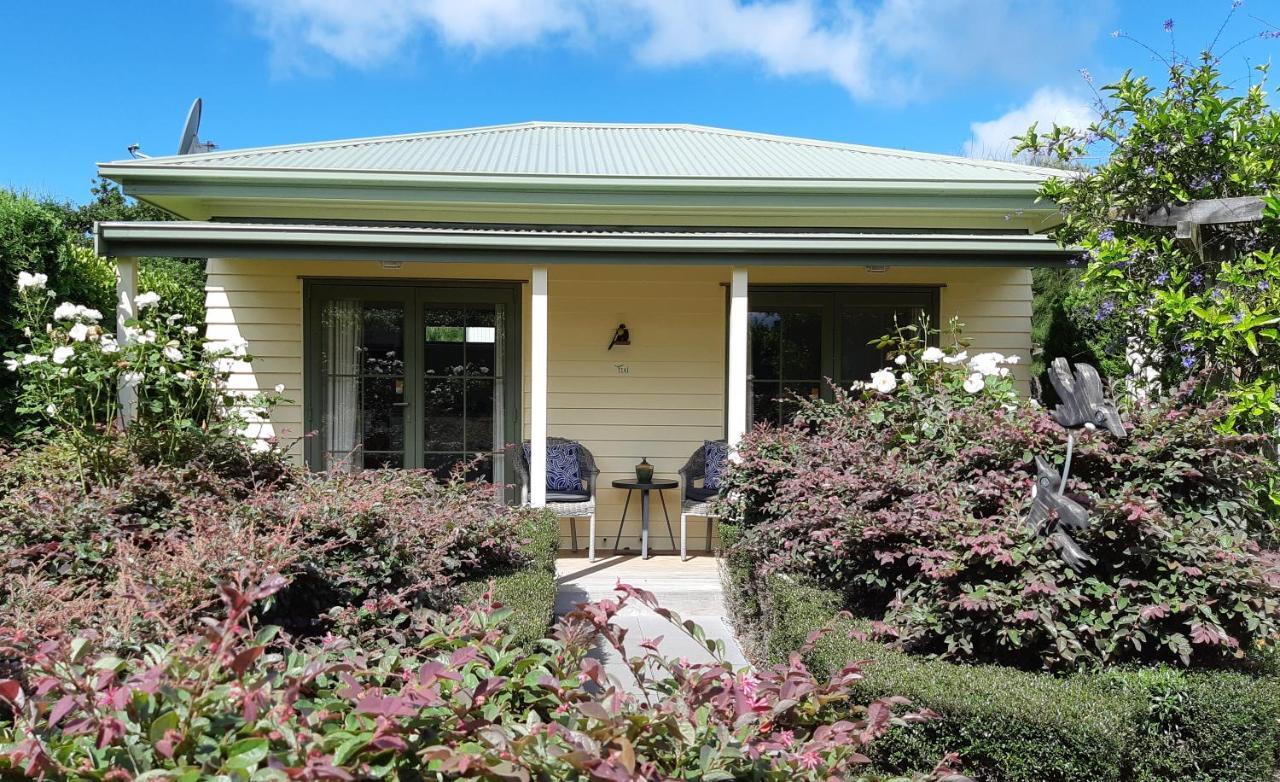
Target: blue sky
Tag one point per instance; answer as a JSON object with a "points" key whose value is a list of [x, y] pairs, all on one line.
{"points": [[83, 80]]}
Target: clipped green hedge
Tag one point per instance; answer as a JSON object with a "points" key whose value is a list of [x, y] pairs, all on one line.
{"points": [[1015, 726], [529, 591]]}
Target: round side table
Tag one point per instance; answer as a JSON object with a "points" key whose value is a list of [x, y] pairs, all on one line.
{"points": [[658, 484]]}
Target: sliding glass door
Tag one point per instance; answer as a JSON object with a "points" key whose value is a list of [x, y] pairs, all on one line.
{"points": [[801, 337], [412, 376]]}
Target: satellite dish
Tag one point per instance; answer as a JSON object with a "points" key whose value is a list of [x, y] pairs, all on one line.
{"points": [[191, 143]]}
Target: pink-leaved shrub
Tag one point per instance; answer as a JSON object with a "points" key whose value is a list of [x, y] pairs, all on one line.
{"points": [[450, 698], [913, 502]]}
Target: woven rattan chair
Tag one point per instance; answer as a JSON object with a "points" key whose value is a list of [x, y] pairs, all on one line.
{"points": [[572, 505], [695, 500]]}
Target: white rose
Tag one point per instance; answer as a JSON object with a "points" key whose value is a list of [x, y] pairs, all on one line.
{"points": [[901, 360], [91, 315], [908, 378], [34, 281], [32, 358], [1011, 359], [932, 355], [172, 352], [975, 383], [958, 358], [189, 329], [11, 364], [51, 408], [79, 332], [108, 344], [146, 337], [987, 363], [148, 299], [172, 319], [260, 446], [884, 381], [62, 353], [131, 378], [66, 311], [279, 388]]}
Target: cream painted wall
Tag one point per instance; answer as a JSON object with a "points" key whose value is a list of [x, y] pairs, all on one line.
{"points": [[671, 396]]}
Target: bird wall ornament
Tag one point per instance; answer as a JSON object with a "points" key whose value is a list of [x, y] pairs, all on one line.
{"points": [[1084, 405]]}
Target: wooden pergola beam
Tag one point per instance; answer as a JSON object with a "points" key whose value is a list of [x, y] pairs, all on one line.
{"points": [[1212, 211]]}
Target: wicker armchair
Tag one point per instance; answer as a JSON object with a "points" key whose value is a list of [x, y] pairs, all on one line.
{"points": [[695, 500], [572, 505]]}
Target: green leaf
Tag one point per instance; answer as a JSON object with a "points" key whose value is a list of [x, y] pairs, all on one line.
{"points": [[247, 753], [165, 722]]}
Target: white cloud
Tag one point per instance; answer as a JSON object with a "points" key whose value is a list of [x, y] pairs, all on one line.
{"points": [[885, 50], [365, 33], [992, 139]]}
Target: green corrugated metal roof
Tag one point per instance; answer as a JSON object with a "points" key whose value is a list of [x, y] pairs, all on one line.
{"points": [[609, 150]]}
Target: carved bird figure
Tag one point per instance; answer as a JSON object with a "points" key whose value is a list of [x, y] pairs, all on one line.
{"points": [[1052, 514], [1083, 399]]}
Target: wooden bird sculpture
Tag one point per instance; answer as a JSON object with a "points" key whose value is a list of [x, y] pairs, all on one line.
{"points": [[1084, 402]]}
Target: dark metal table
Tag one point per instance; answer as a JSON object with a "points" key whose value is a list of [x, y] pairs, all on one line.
{"points": [[658, 484]]}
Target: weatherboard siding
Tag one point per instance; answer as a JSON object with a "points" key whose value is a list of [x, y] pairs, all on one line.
{"points": [[671, 397]]}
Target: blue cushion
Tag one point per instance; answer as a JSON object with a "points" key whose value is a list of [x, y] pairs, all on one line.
{"points": [[562, 466], [717, 455]]}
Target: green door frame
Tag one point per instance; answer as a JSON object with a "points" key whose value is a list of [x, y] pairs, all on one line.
{"points": [[416, 296]]}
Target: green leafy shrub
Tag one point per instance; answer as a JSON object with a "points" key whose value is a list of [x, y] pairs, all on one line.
{"points": [[1013, 726], [1207, 314], [453, 699], [912, 501]]}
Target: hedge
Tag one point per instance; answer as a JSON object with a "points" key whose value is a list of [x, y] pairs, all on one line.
{"points": [[1008, 725], [529, 591]]}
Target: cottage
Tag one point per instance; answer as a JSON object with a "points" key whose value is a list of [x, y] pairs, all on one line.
{"points": [[639, 289]]}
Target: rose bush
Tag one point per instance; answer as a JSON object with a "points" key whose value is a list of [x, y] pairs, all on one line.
{"points": [[451, 699], [72, 368], [913, 502]]}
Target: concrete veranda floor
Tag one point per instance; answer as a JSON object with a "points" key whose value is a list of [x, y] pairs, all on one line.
{"points": [[693, 589]]}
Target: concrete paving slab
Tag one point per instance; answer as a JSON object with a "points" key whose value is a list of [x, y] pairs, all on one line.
{"points": [[693, 589]]}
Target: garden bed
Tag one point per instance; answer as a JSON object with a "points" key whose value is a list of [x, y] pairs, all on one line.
{"points": [[1151, 723]]}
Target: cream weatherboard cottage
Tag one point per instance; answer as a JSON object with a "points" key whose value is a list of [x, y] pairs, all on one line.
{"points": [[429, 297]]}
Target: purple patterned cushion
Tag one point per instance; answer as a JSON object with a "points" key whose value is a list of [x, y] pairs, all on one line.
{"points": [[717, 454], [562, 466]]}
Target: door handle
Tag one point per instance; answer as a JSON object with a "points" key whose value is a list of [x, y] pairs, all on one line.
{"points": [[399, 404]]}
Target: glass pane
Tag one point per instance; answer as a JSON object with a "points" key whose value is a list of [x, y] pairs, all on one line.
{"points": [[443, 414], [441, 464], [482, 340], [383, 461], [801, 345], [792, 393], [445, 352], [764, 402], [861, 325], [763, 329], [382, 409], [480, 418], [383, 339], [362, 418]]}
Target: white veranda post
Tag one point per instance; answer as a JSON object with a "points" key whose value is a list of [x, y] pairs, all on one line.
{"points": [[538, 388], [126, 292], [737, 402]]}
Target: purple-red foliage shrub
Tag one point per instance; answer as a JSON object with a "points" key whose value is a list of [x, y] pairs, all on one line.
{"points": [[915, 506], [139, 558], [451, 698]]}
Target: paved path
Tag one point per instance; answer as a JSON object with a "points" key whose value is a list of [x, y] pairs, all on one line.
{"points": [[691, 589]]}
